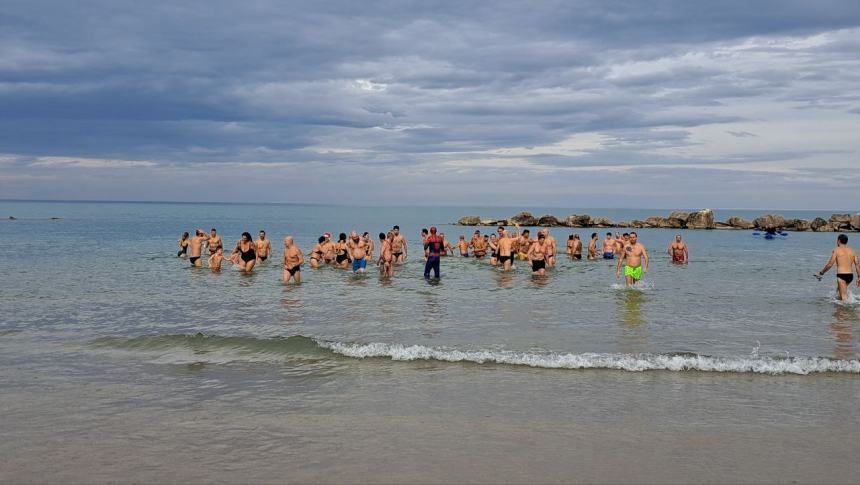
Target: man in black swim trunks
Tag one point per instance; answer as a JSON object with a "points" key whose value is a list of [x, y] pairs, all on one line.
{"points": [[264, 247], [197, 247], [537, 254], [399, 247], [845, 258], [293, 259]]}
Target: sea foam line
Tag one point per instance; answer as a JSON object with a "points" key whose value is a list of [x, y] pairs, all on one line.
{"points": [[625, 362]]}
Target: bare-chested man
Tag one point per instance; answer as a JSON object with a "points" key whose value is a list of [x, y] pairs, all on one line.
{"points": [[553, 247], [264, 247], [399, 247], [386, 255], [214, 242], [463, 246], [357, 249], [576, 249], [592, 247], [328, 249], [620, 242], [369, 241], [538, 253], [608, 247], [678, 250], [522, 245], [293, 259], [631, 258], [196, 245], [844, 257], [478, 245], [506, 248]]}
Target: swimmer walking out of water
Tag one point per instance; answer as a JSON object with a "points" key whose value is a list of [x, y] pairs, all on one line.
{"points": [[678, 250], [844, 257], [293, 259], [631, 258], [608, 247]]}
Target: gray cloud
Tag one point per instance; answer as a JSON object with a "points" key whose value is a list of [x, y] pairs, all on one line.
{"points": [[400, 88]]}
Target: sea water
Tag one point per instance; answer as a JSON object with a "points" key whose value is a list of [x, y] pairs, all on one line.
{"points": [[121, 362]]}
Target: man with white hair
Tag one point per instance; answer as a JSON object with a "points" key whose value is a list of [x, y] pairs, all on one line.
{"points": [[293, 259]]}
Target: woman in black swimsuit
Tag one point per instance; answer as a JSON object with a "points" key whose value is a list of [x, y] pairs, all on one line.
{"points": [[183, 246], [341, 253], [317, 253], [247, 252]]}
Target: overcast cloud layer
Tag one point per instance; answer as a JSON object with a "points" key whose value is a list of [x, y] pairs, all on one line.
{"points": [[594, 104]]}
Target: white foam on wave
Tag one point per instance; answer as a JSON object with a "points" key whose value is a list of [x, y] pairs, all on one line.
{"points": [[625, 362]]}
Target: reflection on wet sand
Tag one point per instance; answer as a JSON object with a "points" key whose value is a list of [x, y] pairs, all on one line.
{"points": [[844, 320]]}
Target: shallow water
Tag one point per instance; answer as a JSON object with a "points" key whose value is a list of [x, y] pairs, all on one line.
{"points": [[116, 354]]}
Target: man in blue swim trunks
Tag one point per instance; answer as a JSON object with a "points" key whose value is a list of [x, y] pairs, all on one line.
{"points": [[609, 247], [357, 249]]}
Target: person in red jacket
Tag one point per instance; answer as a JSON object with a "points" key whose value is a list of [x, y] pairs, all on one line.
{"points": [[433, 247]]}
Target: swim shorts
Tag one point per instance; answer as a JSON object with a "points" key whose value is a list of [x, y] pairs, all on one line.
{"points": [[538, 264], [608, 255], [846, 277], [295, 269], [635, 273], [193, 259], [359, 264]]}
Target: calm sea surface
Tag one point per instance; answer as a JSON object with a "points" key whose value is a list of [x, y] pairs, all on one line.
{"points": [[119, 362]]}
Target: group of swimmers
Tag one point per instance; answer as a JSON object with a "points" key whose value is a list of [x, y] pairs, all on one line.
{"points": [[354, 251], [502, 247]]}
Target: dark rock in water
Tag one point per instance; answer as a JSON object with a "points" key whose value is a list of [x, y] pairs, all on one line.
{"points": [[703, 219], [774, 220], [797, 225], [840, 222], [469, 221], [739, 223], [722, 225], [576, 220], [602, 222], [492, 222], [524, 219], [820, 225], [548, 220], [855, 222], [56, 218], [622, 224], [637, 224], [678, 219], [13, 218]]}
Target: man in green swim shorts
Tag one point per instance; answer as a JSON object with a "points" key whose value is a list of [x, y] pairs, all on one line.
{"points": [[631, 259]]}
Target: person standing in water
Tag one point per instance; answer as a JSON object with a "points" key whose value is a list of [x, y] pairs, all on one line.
{"points": [[357, 248], [183, 246], [844, 257], [386, 255], [631, 258], [216, 259], [592, 247], [399, 248], [264, 247], [608, 247], [463, 246], [197, 248], [678, 250], [538, 253], [293, 259], [479, 245], [214, 242], [433, 247], [246, 252]]}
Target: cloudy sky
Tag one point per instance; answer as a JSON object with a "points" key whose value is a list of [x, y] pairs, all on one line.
{"points": [[748, 104]]}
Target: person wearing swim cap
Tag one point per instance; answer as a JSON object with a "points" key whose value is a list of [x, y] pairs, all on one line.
{"points": [[631, 258], [434, 245]]}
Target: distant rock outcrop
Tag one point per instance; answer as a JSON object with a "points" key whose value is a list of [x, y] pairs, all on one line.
{"points": [[703, 219], [774, 220], [548, 220], [469, 221], [524, 219], [739, 223]]}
